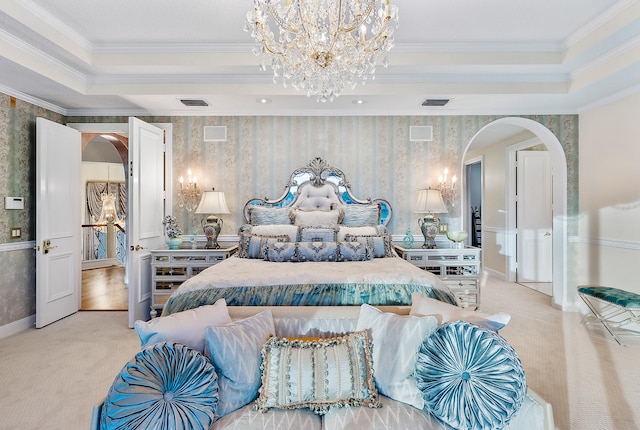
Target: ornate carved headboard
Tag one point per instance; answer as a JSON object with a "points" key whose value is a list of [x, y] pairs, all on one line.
{"points": [[319, 186]]}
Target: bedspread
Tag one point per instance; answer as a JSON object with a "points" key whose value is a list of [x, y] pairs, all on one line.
{"points": [[254, 282]]}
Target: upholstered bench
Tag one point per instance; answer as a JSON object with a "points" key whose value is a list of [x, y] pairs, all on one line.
{"points": [[618, 310]]}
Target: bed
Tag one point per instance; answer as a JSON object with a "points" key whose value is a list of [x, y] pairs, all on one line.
{"points": [[315, 245]]}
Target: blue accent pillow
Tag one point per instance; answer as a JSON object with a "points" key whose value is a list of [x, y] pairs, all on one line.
{"points": [[165, 386], [470, 378]]}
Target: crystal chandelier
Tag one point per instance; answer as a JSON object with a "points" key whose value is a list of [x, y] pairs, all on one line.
{"points": [[321, 46]]}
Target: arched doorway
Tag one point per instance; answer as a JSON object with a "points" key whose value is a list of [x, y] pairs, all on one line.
{"points": [[559, 188]]}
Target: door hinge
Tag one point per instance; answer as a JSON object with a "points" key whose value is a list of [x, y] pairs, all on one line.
{"points": [[131, 169]]}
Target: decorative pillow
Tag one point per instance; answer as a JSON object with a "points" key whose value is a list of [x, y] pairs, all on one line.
{"points": [[167, 385], [343, 231], [265, 215], [381, 244], [317, 251], [282, 252], [396, 341], [470, 378], [253, 245], [276, 230], [444, 312], [354, 251], [360, 215], [314, 218], [317, 374], [234, 349], [317, 234], [186, 327]]}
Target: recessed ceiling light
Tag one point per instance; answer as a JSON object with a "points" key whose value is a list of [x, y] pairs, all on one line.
{"points": [[359, 102], [263, 100]]}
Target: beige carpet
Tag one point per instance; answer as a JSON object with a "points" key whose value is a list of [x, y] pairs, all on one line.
{"points": [[50, 378]]}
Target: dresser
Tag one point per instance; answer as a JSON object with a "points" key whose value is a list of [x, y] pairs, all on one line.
{"points": [[458, 268], [171, 267]]}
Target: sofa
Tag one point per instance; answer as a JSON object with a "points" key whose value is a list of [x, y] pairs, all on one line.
{"points": [[428, 366]]}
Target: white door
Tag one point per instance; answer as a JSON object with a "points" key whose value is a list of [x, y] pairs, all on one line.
{"points": [[58, 228], [146, 201], [534, 217]]}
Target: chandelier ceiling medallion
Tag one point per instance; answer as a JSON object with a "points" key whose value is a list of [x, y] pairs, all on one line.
{"points": [[321, 46]]}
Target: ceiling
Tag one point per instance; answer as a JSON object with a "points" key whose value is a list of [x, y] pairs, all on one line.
{"points": [[118, 57]]}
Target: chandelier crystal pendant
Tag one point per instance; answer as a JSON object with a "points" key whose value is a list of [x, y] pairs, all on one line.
{"points": [[321, 46]]}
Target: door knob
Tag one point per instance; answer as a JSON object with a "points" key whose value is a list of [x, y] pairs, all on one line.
{"points": [[136, 248], [46, 246]]}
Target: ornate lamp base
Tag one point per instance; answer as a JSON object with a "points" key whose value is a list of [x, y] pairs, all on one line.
{"points": [[212, 226], [429, 227]]}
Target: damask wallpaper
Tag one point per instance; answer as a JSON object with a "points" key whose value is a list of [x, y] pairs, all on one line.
{"points": [[256, 161], [374, 152]]}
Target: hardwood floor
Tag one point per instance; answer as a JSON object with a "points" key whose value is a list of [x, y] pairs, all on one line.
{"points": [[104, 289]]}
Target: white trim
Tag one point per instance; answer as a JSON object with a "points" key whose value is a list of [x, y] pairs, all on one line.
{"points": [[620, 244], [7, 247], [494, 273], [611, 54], [560, 218], [33, 100], [597, 22], [17, 326], [610, 99]]}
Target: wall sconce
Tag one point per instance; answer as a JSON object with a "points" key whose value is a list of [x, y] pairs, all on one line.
{"points": [[430, 202], [212, 203], [448, 188], [189, 195]]}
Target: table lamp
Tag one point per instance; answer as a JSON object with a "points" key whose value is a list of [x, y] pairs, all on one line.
{"points": [[429, 202], [212, 203]]}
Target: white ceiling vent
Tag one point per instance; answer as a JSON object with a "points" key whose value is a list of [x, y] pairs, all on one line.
{"points": [[194, 102], [420, 133], [215, 133]]}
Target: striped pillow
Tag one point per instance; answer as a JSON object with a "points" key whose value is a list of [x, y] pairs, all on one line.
{"points": [[318, 374]]}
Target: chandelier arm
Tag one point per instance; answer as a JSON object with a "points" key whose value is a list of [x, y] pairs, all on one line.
{"points": [[363, 18], [279, 20]]}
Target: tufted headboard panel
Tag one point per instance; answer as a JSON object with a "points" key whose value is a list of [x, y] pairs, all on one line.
{"points": [[321, 198]]}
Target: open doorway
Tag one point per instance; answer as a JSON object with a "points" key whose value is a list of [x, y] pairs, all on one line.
{"points": [[104, 214], [499, 245]]}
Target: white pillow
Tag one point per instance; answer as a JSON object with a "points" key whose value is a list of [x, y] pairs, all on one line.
{"points": [[276, 230], [445, 312], [355, 231], [234, 350], [186, 327], [316, 218], [396, 341]]}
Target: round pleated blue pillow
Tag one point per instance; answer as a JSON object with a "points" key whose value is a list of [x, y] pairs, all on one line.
{"points": [[165, 386], [470, 378]]}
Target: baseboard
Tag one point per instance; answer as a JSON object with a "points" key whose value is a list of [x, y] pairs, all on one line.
{"points": [[498, 275], [98, 264], [17, 326]]}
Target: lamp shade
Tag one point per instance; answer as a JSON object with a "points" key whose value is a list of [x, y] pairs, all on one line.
{"points": [[212, 202], [430, 201]]}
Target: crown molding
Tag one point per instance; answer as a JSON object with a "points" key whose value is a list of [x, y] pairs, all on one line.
{"points": [[597, 22], [33, 100], [41, 56]]}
